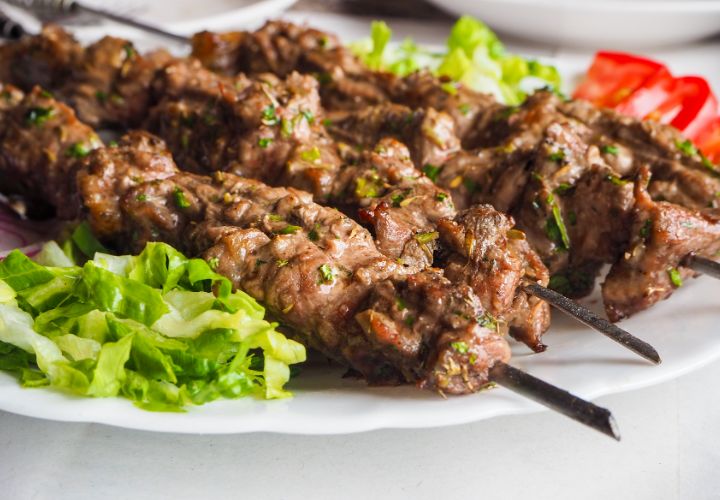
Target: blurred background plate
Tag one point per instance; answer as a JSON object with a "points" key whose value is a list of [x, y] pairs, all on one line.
{"points": [[611, 24], [180, 16]]}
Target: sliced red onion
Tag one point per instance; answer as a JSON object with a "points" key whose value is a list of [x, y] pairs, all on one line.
{"points": [[24, 235]]}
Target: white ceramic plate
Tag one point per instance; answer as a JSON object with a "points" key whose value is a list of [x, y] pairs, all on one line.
{"points": [[683, 329], [612, 24]]}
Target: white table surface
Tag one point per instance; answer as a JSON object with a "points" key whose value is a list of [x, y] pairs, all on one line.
{"points": [[670, 447]]}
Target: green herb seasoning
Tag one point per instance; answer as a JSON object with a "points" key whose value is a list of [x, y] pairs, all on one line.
{"points": [[555, 227], [286, 127], [368, 188], [289, 229], [78, 150], [675, 277], [618, 181], [397, 199], [314, 233], [557, 156], [269, 117], [686, 147], [180, 200], [101, 96], [562, 188], [465, 109], [141, 197], [441, 196], [38, 116], [431, 171], [400, 304], [129, 50], [425, 238], [264, 142], [486, 320], [309, 117], [311, 155], [645, 229], [326, 274], [459, 346], [610, 150], [281, 262], [213, 262]]}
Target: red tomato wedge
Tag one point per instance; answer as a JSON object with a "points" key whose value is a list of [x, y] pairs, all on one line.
{"points": [[692, 106], [613, 76], [709, 141], [645, 99]]}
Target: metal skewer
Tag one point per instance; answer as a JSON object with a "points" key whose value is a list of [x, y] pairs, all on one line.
{"points": [[72, 7], [9, 29], [589, 318], [555, 398], [703, 266]]}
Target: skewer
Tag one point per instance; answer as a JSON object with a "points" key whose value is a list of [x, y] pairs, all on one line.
{"points": [[72, 7], [703, 266], [555, 398], [589, 318], [9, 29]]}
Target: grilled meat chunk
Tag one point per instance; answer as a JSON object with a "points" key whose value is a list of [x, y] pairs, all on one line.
{"points": [[663, 236], [40, 142], [265, 128]]}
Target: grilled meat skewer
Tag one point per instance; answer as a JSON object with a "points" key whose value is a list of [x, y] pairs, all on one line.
{"points": [[335, 290]]}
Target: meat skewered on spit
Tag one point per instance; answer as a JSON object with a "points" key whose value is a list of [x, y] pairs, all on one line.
{"points": [[261, 137], [334, 290]]}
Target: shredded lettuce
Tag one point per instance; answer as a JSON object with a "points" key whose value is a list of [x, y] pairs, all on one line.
{"points": [[160, 329], [474, 56]]}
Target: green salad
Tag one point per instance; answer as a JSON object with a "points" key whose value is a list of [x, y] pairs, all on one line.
{"points": [[160, 329], [474, 56]]}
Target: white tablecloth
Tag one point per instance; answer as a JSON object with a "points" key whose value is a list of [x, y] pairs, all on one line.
{"points": [[670, 447]]}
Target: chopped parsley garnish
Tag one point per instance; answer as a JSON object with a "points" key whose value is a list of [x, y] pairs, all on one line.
{"points": [[686, 147], [470, 185], [78, 150], [557, 156], [368, 188], [180, 200], [675, 277], [610, 150], [101, 96], [441, 196], [314, 233], [326, 274], [400, 304], [465, 109], [431, 171], [269, 117], [264, 142], [276, 218], [129, 50], [459, 346], [286, 127], [618, 181], [327, 122], [425, 238], [38, 116], [281, 262], [410, 321], [141, 197], [213, 262], [486, 320], [562, 188], [397, 199], [311, 155], [308, 116], [645, 229], [289, 229], [46, 94], [555, 227]]}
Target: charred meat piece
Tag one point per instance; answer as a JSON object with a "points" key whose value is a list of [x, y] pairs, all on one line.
{"points": [[427, 133], [495, 260], [41, 140], [265, 128], [663, 236], [110, 87], [45, 60]]}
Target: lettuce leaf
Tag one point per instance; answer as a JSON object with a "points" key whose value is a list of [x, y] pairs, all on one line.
{"points": [[474, 56], [158, 328]]}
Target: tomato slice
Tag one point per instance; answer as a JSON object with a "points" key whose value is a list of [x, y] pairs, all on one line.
{"points": [[709, 141], [647, 97], [691, 107], [613, 76]]}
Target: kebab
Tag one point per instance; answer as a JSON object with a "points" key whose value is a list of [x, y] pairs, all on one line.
{"points": [[336, 292], [187, 111]]}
